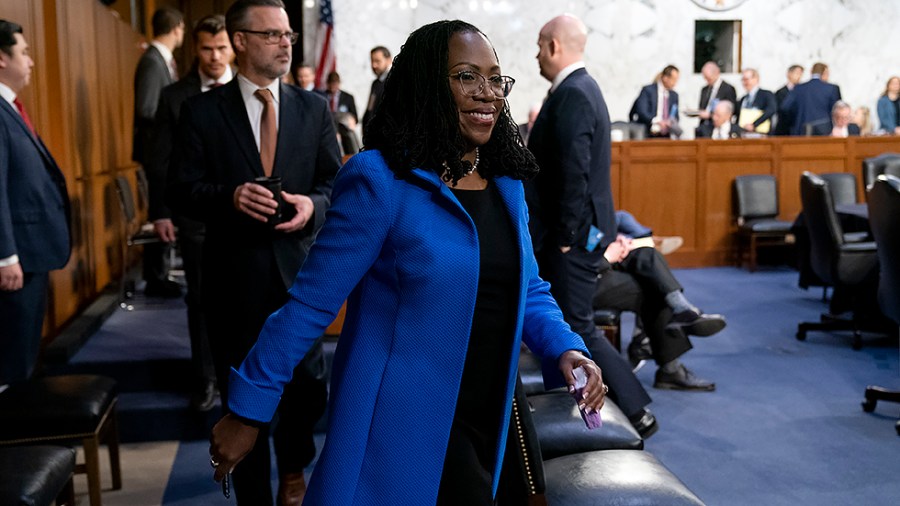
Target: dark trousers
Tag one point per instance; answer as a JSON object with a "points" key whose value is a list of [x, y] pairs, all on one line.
{"points": [[154, 262], [21, 319], [190, 241], [468, 466], [573, 279], [639, 284], [234, 324]]}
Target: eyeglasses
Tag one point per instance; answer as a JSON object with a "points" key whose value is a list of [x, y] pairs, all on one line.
{"points": [[274, 37], [472, 83]]}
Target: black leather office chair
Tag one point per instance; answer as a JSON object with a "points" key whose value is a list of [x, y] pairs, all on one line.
{"points": [[755, 204], [850, 267], [885, 163], [884, 215], [134, 233], [842, 186]]}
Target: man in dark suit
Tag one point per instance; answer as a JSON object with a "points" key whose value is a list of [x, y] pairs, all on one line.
{"points": [[34, 215], [840, 124], [757, 102], [811, 101], [381, 65], [254, 127], [657, 105], [155, 70], [715, 90], [721, 126], [339, 101], [785, 120], [570, 201], [212, 69]]}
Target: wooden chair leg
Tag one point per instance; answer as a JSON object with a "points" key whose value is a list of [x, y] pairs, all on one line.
{"points": [[92, 468], [112, 443]]}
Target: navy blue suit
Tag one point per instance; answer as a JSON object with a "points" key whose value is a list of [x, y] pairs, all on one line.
{"points": [[644, 108], [764, 100], [571, 141], [809, 102], [246, 266], [34, 225]]}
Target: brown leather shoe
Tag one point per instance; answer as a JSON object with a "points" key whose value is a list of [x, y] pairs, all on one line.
{"points": [[291, 489]]}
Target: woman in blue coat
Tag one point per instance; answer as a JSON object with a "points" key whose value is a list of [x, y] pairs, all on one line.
{"points": [[888, 107], [427, 238]]}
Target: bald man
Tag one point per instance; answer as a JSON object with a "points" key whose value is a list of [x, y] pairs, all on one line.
{"points": [[570, 202]]}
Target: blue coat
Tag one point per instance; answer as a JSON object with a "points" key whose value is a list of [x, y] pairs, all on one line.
{"points": [[406, 253], [34, 202], [887, 114], [810, 102]]}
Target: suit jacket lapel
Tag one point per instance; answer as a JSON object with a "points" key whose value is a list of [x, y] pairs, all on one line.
{"points": [[33, 136], [232, 105], [288, 125]]}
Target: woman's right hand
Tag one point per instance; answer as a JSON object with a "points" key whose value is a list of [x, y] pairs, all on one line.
{"points": [[231, 440]]}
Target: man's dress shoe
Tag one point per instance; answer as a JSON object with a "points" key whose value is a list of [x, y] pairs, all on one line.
{"points": [[644, 423], [682, 379], [291, 489], [696, 324], [639, 351], [165, 288]]}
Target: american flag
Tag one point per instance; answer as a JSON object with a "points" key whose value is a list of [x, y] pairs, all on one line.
{"points": [[326, 61]]}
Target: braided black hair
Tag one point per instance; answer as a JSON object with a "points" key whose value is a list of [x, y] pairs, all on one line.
{"points": [[416, 124]]}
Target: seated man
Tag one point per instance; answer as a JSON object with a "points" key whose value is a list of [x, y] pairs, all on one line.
{"points": [[640, 281], [721, 126], [840, 125]]}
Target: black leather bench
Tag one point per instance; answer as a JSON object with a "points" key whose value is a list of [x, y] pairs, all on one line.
{"points": [[36, 475], [75, 409]]}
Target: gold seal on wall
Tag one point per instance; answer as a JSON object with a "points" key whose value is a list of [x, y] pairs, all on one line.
{"points": [[718, 5]]}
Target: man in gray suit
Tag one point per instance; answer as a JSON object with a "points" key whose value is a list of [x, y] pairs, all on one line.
{"points": [[155, 70], [34, 212]]}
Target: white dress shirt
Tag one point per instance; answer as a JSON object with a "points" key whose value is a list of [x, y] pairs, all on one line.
{"points": [[254, 105], [206, 82], [564, 73]]}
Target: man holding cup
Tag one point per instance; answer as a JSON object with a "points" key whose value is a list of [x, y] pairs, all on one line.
{"points": [[232, 144]]}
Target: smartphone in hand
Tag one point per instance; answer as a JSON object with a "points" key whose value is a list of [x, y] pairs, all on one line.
{"points": [[592, 420]]}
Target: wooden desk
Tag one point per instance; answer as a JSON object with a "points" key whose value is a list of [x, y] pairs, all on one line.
{"points": [[684, 187]]}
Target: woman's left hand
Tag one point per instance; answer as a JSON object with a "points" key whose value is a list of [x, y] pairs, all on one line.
{"points": [[595, 391]]}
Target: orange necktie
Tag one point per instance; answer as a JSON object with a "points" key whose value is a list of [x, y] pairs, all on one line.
{"points": [[268, 131]]}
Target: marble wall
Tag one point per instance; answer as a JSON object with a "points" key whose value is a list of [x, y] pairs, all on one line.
{"points": [[629, 41]]}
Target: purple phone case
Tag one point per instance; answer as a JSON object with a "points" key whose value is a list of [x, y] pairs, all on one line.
{"points": [[592, 420]]}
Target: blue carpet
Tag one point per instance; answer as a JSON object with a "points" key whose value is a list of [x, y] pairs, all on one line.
{"points": [[784, 426]]}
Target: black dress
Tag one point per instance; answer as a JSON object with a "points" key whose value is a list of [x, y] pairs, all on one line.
{"points": [[468, 466]]}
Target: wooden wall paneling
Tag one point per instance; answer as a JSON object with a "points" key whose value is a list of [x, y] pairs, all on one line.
{"points": [[719, 220], [662, 195]]}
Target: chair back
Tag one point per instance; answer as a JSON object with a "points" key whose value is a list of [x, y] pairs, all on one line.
{"points": [[638, 131], [126, 199], [885, 163], [842, 186], [884, 217], [143, 187], [622, 126], [822, 224], [755, 196]]}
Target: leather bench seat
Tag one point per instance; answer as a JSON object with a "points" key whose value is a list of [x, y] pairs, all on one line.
{"points": [[614, 478], [35, 475], [55, 405], [74, 409], [561, 431]]}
